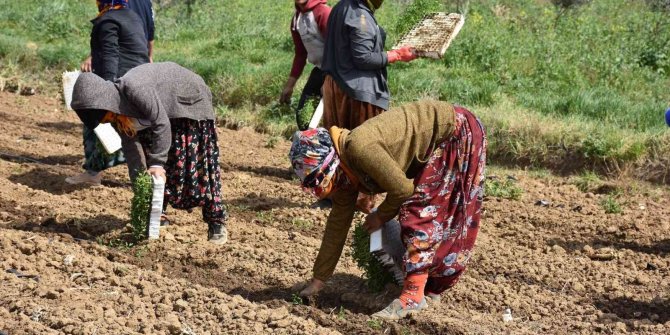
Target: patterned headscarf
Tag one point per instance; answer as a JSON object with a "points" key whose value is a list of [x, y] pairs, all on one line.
{"points": [[107, 5], [314, 160]]}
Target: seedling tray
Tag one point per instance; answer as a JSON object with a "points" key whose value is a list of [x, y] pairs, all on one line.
{"points": [[433, 34]]}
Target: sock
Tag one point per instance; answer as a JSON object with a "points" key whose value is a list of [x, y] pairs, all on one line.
{"points": [[412, 290]]}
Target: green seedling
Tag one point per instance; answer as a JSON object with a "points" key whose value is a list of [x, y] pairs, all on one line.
{"points": [[296, 299], [611, 205], [375, 324], [140, 206], [301, 223], [264, 216], [375, 273], [271, 142], [503, 189], [340, 314]]}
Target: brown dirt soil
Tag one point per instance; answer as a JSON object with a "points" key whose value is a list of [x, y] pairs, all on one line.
{"points": [[564, 268]]}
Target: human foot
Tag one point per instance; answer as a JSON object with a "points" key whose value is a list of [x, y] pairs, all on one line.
{"points": [[395, 311], [217, 233]]}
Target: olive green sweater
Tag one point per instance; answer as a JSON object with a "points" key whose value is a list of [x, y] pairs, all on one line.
{"points": [[385, 153]]}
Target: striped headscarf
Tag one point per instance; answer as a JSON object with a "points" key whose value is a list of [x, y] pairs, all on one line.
{"points": [[314, 160], [106, 5]]}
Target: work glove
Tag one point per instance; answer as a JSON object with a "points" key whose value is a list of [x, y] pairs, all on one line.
{"points": [[404, 54]]}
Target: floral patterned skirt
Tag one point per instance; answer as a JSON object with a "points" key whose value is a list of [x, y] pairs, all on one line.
{"points": [[441, 220], [193, 172]]}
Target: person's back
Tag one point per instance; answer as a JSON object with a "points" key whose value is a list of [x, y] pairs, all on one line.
{"points": [[354, 53], [144, 10], [118, 43]]}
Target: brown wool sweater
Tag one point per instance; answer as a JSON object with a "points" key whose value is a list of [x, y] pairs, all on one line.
{"points": [[385, 153]]}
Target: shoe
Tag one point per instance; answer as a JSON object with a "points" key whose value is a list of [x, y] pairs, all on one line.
{"points": [[85, 178], [394, 311], [432, 298], [322, 204], [217, 233]]}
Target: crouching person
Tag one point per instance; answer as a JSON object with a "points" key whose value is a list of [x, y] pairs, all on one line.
{"points": [[164, 115], [429, 157]]}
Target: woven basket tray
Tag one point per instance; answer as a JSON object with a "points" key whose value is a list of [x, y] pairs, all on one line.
{"points": [[433, 34]]}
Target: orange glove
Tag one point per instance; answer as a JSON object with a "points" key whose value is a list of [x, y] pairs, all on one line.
{"points": [[404, 54]]}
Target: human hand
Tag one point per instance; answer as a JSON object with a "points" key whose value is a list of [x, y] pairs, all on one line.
{"points": [[404, 54], [372, 222], [314, 287], [157, 171], [285, 97], [365, 203], [86, 65], [287, 92]]}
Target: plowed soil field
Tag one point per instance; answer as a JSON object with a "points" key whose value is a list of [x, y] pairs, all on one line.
{"points": [[563, 266]]}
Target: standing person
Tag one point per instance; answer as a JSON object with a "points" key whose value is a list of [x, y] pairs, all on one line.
{"points": [[165, 117], [356, 88], [429, 157], [118, 44], [309, 28], [143, 9]]}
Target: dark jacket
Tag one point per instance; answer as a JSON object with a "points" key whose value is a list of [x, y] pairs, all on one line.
{"points": [[144, 10], [152, 93], [118, 43], [354, 54]]}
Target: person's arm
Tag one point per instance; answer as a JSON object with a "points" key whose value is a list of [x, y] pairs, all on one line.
{"points": [[147, 102], [132, 150], [362, 34], [151, 30], [376, 162], [86, 64], [108, 35], [151, 51], [335, 235], [299, 61]]}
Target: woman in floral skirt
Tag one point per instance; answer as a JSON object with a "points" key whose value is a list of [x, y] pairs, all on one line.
{"points": [[165, 117], [429, 157]]}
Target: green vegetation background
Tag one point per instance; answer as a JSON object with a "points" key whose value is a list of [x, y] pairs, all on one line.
{"points": [[584, 87]]}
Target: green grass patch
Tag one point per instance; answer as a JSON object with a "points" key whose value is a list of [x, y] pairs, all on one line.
{"points": [[507, 189], [588, 181], [301, 223], [611, 205], [570, 89]]}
